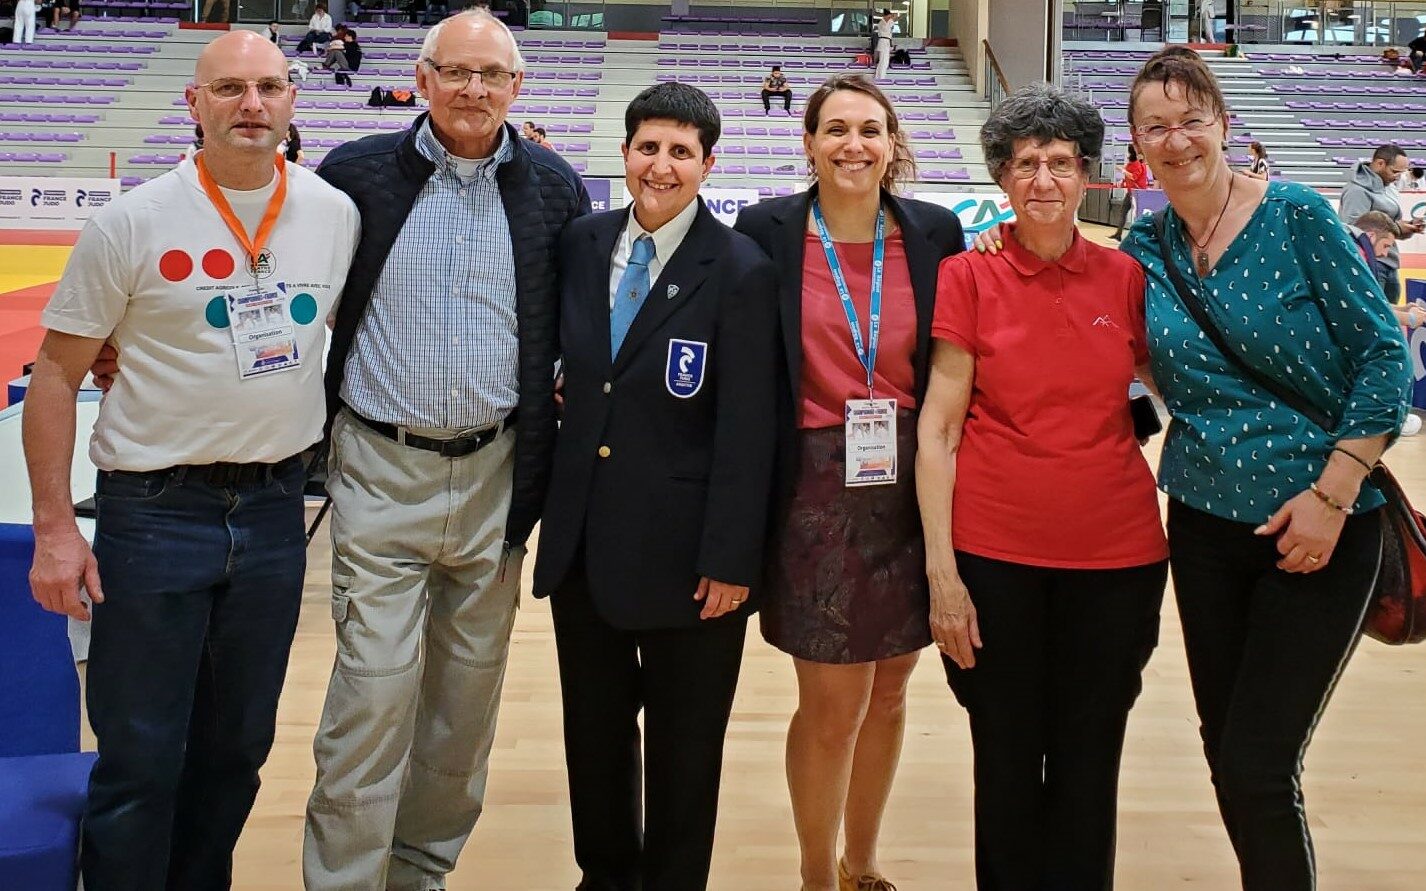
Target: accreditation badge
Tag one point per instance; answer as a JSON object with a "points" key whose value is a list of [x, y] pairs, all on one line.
{"points": [[264, 338], [871, 442]]}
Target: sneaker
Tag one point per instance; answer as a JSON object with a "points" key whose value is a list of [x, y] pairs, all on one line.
{"points": [[1412, 425]]}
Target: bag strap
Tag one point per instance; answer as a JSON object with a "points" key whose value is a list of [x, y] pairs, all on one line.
{"points": [[1194, 304]]}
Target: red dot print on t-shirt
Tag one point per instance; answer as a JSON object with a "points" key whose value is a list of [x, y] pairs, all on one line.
{"points": [[218, 263], [175, 266]]}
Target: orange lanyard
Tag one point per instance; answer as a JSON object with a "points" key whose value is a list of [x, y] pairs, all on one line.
{"points": [[255, 245]]}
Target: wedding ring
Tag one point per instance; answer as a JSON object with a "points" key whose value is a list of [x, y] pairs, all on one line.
{"points": [[737, 602], [1312, 559]]}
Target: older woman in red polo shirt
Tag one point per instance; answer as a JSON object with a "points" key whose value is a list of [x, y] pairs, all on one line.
{"points": [[1044, 548]]}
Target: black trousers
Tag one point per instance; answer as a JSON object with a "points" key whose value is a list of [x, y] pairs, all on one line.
{"points": [[1049, 698], [1265, 649], [629, 836], [786, 96]]}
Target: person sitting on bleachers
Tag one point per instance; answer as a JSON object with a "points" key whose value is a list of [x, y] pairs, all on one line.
{"points": [[51, 12], [343, 55], [1416, 49], [775, 84], [319, 29]]}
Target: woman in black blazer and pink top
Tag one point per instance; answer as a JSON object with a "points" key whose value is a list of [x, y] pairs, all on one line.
{"points": [[845, 591]]}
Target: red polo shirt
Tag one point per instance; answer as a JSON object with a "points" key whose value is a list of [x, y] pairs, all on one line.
{"points": [[1048, 472]]}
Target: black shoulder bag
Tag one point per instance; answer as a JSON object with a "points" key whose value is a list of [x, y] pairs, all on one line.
{"points": [[1397, 613]]}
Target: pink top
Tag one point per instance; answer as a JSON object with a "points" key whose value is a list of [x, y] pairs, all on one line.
{"points": [[831, 371]]}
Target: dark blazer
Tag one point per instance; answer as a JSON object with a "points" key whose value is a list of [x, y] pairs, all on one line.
{"points": [[929, 232], [683, 489], [383, 175]]}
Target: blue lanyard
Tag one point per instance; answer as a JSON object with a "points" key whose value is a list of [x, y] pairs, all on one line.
{"points": [[878, 252]]}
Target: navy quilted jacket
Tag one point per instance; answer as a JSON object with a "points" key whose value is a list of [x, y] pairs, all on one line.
{"points": [[541, 193]]}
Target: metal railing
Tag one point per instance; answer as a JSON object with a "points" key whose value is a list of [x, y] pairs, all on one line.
{"points": [[1314, 22], [996, 85], [565, 15]]}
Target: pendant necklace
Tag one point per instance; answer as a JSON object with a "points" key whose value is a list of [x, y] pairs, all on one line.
{"points": [[1200, 251]]}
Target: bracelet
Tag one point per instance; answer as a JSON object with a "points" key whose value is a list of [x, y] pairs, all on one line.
{"points": [[1330, 501], [1353, 457]]}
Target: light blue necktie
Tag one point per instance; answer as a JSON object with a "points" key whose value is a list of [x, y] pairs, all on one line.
{"points": [[633, 288]]}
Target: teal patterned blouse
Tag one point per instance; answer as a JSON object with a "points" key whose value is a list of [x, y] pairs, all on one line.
{"points": [[1294, 294]]}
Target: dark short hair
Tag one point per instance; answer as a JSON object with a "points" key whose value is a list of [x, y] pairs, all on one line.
{"points": [[777, 68], [541, 131], [675, 102], [1040, 113], [902, 166], [1388, 153], [1179, 65], [1258, 147], [530, 124]]}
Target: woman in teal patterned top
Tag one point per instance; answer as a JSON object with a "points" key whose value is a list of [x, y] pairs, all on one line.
{"points": [[1273, 535]]}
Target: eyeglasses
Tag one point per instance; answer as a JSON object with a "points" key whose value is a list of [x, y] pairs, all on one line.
{"points": [[460, 78], [233, 88], [1060, 168], [1156, 133]]}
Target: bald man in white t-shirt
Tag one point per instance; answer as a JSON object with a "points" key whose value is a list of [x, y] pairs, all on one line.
{"points": [[214, 281]]}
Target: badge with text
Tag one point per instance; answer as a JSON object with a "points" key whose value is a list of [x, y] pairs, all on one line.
{"points": [[871, 442], [687, 360], [264, 337]]}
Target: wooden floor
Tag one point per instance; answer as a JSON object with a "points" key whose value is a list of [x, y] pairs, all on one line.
{"points": [[1365, 781]]}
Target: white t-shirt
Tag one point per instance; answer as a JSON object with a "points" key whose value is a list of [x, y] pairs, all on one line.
{"points": [[885, 27], [320, 21], [150, 273]]}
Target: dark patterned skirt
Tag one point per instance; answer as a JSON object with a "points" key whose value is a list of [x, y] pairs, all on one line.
{"points": [[848, 575]]}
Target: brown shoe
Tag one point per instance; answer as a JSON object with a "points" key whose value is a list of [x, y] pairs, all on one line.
{"points": [[869, 882]]}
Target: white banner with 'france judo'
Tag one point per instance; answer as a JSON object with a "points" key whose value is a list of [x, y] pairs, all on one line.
{"points": [[44, 201]]}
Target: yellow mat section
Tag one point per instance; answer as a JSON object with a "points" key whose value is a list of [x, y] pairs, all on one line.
{"points": [[24, 266]]}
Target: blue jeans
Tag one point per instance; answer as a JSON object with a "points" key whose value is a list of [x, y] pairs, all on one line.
{"points": [[202, 587]]}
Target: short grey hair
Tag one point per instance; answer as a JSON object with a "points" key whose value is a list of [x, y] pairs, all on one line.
{"points": [[428, 45], [1040, 112]]}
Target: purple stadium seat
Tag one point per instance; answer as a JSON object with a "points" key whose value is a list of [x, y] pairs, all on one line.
{"points": [[759, 170]]}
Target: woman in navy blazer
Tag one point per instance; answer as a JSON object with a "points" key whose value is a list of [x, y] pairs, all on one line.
{"points": [[845, 591], [653, 527]]}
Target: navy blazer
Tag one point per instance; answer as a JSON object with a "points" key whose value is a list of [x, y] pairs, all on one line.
{"points": [[929, 233], [659, 481]]}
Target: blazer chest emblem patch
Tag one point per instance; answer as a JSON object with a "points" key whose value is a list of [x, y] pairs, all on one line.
{"points": [[687, 360]]}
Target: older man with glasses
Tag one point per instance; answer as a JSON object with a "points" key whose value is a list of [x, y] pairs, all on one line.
{"points": [[440, 385], [199, 554]]}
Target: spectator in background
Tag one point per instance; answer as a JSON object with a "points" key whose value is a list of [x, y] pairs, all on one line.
{"points": [[25, 21], [50, 13], [274, 32], [292, 146], [775, 84], [353, 11], [343, 55], [1136, 176], [1204, 22], [1369, 187], [541, 139], [885, 26], [1416, 52], [1375, 234], [1413, 180], [527, 130], [319, 29], [1259, 168]]}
